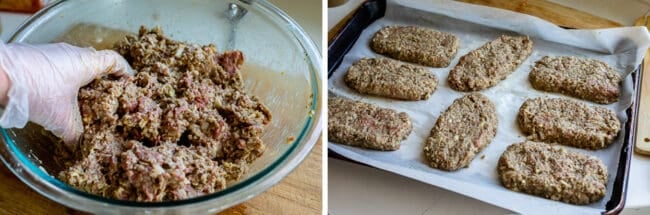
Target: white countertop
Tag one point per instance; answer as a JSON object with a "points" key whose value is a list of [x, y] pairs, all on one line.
{"points": [[356, 189]]}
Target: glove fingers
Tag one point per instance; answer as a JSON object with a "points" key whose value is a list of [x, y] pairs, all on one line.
{"points": [[105, 62], [73, 128], [73, 133], [113, 63], [65, 123]]}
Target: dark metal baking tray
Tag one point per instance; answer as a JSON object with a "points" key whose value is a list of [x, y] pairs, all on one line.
{"points": [[372, 10]]}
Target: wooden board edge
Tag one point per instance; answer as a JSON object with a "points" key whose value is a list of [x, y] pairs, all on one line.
{"points": [[552, 12], [336, 29]]}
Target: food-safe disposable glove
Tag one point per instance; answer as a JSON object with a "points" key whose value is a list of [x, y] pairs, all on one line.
{"points": [[45, 80]]}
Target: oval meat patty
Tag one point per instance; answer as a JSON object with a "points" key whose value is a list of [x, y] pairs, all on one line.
{"points": [[463, 130], [486, 66], [586, 79], [552, 172], [568, 122], [365, 125], [419, 45], [391, 78]]}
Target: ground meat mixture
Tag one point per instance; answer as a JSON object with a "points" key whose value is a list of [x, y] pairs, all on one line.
{"points": [[391, 78], [582, 78], [365, 125], [461, 132], [552, 172], [568, 122], [414, 44], [486, 66], [181, 127]]}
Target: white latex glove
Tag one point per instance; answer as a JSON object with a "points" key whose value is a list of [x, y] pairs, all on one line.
{"points": [[45, 80]]}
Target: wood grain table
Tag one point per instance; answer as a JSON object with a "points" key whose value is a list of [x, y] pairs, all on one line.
{"points": [[299, 193]]}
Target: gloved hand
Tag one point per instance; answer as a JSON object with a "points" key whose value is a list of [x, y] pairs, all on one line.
{"points": [[45, 80]]}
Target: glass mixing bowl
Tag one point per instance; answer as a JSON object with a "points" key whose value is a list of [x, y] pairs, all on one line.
{"points": [[282, 68]]}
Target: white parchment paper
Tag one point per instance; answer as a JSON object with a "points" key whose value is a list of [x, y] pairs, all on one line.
{"points": [[622, 48]]}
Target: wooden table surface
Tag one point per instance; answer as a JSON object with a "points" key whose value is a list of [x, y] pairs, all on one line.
{"points": [[299, 193]]}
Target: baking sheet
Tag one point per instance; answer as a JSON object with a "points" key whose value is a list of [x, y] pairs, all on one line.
{"points": [[622, 48]]}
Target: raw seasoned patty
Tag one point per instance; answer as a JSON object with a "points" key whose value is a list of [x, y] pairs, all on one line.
{"points": [[461, 132], [419, 45], [552, 172], [365, 125], [182, 126], [391, 78], [586, 79], [488, 65], [568, 122]]}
